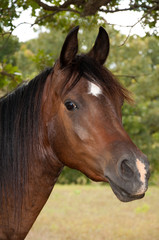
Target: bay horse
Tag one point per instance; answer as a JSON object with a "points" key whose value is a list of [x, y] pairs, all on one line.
{"points": [[69, 115]]}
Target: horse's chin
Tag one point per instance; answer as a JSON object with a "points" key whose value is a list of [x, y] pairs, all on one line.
{"points": [[122, 195]]}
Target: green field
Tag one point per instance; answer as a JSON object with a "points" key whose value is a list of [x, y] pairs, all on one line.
{"points": [[93, 213]]}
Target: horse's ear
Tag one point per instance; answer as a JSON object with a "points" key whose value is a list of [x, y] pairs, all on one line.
{"points": [[70, 47], [100, 50]]}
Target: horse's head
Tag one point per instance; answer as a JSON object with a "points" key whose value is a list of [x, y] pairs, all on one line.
{"points": [[84, 121]]}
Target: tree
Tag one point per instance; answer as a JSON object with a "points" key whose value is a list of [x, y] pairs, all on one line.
{"points": [[65, 14], [9, 73], [137, 66], [8, 46]]}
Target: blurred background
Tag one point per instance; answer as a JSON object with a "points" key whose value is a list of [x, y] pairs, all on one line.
{"points": [[31, 35]]}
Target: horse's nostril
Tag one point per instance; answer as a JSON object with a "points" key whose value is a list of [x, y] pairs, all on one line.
{"points": [[126, 170]]}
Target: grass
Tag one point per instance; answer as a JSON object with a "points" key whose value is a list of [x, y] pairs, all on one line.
{"points": [[93, 213]]}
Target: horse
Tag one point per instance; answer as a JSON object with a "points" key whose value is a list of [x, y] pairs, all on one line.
{"points": [[68, 115]]}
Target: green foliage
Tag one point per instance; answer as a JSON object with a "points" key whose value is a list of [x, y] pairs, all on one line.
{"points": [[66, 14], [8, 46], [9, 72], [46, 48], [141, 121], [9, 77], [69, 176], [24, 60], [8, 12]]}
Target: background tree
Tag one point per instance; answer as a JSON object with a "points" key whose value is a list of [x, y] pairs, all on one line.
{"points": [[65, 14], [9, 73]]}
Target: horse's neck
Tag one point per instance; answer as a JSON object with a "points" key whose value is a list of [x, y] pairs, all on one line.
{"points": [[40, 187], [40, 184]]}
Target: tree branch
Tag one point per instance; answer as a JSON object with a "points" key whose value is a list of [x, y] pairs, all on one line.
{"points": [[46, 7], [56, 9], [52, 14], [9, 34], [10, 75], [116, 10], [92, 6], [150, 10], [83, 8], [133, 7], [63, 7], [127, 76]]}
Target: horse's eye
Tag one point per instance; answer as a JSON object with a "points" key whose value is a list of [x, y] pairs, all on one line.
{"points": [[70, 105]]}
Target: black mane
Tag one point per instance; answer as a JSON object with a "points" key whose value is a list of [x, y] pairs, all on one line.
{"points": [[19, 127]]}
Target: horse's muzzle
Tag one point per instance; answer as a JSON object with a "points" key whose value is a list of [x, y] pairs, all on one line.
{"points": [[122, 194], [129, 181]]}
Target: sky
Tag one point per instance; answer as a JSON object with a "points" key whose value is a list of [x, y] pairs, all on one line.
{"points": [[26, 32]]}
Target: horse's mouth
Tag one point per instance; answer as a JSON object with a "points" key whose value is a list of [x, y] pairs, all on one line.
{"points": [[123, 195]]}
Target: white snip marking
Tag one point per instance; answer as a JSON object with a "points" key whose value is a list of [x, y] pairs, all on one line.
{"points": [[94, 89], [142, 170]]}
